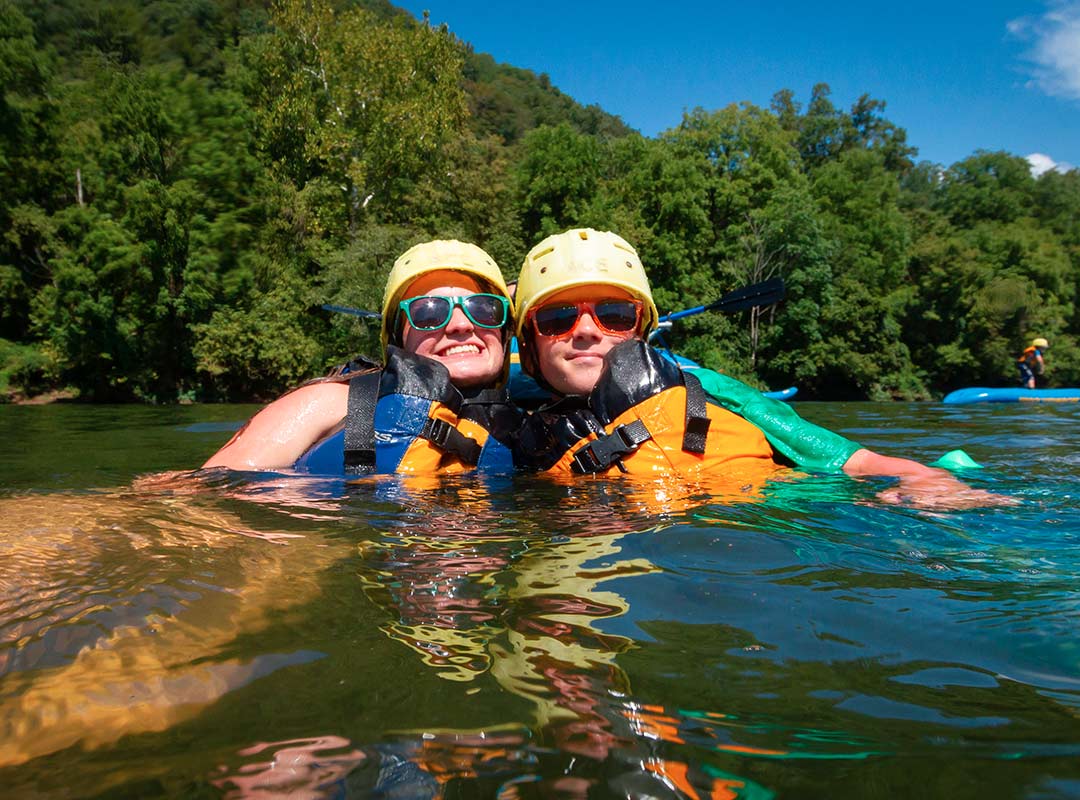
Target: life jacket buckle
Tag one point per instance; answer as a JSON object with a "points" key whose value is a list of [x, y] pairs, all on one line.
{"points": [[600, 454], [450, 440], [437, 431]]}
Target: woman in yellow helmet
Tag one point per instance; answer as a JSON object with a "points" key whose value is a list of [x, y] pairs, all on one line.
{"points": [[583, 312], [1031, 362], [435, 405]]}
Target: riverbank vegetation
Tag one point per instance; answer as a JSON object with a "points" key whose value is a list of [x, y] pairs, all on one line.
{"points": [[186, 182]]}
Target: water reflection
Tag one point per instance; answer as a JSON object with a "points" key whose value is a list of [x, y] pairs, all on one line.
{"points": [[510, 638], [121, 610], [525, 609], [117, 611]]}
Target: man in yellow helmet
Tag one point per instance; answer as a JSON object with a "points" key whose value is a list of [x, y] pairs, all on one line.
{"points": [[583, 312], [1031, 362], [435, 405]]}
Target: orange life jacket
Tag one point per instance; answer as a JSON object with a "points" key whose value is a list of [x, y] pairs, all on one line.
{"points": [[1030, 356], [645, 416]]}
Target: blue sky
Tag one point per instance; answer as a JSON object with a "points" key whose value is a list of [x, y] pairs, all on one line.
{"points": [[958, 76]]}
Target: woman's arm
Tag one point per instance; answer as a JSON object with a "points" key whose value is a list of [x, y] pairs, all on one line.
{"points": [[283, 431], [920, 485]]}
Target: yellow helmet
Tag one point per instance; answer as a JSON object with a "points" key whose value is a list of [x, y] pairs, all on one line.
{"points": [[581, 257], [429, 257], [1040, 342]]}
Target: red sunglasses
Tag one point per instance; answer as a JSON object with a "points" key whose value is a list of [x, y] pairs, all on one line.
{"points": [[614, 317]]}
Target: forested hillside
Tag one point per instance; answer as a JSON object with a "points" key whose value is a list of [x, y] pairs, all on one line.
{"points": [[186, 182]]}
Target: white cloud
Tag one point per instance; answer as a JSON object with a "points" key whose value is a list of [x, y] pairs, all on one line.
{"points": [[1041, 163], [1055, 48]]}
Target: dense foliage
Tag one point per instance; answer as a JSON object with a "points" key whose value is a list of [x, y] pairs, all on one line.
{"points": [[186, 182]]}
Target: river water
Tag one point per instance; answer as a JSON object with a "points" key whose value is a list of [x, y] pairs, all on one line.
{"points": [[235, 635]]}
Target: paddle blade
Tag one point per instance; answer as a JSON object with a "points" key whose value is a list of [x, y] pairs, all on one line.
{"points": [[760, 294]]}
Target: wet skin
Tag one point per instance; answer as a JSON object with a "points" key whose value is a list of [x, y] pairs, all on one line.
{"points": [[473, 355], [572, 364]]}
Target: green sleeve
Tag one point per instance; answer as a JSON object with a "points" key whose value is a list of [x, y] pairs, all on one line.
{"points": [[807, 445]]}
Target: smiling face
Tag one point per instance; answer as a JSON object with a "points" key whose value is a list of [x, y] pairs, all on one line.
{"points": [[572, 364], [473, 355]]}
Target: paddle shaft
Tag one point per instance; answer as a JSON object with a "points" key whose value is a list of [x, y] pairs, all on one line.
{"points": [[759, 294], [356, 312]]}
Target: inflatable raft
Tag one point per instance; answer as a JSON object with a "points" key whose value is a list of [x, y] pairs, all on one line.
{"points": [[978, 394], [782, 394], [525, 389], [686, 363]]}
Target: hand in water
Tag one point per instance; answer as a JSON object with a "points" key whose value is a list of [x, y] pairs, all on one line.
{"points": [[921, 486], [939, 490]]}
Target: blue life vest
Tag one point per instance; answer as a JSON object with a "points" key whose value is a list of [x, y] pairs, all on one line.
{"points": [[409, 417]]}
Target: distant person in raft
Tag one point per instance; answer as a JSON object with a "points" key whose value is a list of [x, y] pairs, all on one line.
{"points": [[584, 310], [1031, 362], [438, 403]]}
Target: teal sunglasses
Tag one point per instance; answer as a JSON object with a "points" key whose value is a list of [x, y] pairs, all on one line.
{"points": [[432, 312]]}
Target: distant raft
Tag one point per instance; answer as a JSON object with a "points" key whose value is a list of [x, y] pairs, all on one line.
{"points": [[979, 394], [782, 394]]}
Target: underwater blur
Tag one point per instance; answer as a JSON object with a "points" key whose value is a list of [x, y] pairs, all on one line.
{"points": [[176, 633]]}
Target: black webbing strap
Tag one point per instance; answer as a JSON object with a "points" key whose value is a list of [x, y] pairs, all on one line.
{"points": [[450, 440], [697, 418], [608, 449], [360, 423]]}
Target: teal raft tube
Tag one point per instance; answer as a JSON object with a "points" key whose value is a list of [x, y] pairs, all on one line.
{"points": [[978, 394], [525, 389], [686, 363]]}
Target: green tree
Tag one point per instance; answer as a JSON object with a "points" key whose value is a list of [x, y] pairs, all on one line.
{"points": [[352, 102], [824, 132], [355, 277], [752, 183], [859, 199], [167, 175], [90, 311], [472, 198], [1057, 206], [508, 102], [987, 186], [657, 200], [983, 293], [28, 166], [871, 131], [253, 352], [557, 177]]}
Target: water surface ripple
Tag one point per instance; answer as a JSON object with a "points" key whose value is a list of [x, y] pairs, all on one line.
{"points": [[167, 633]]}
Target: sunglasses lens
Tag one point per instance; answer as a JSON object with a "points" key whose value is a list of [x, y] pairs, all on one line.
{"points": [[486, 310], [429, 313], [555, 320], [617, 315]]}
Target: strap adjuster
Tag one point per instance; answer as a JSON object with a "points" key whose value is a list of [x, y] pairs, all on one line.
{"points": [[600, 454], [437, 431], [450, 440]]}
